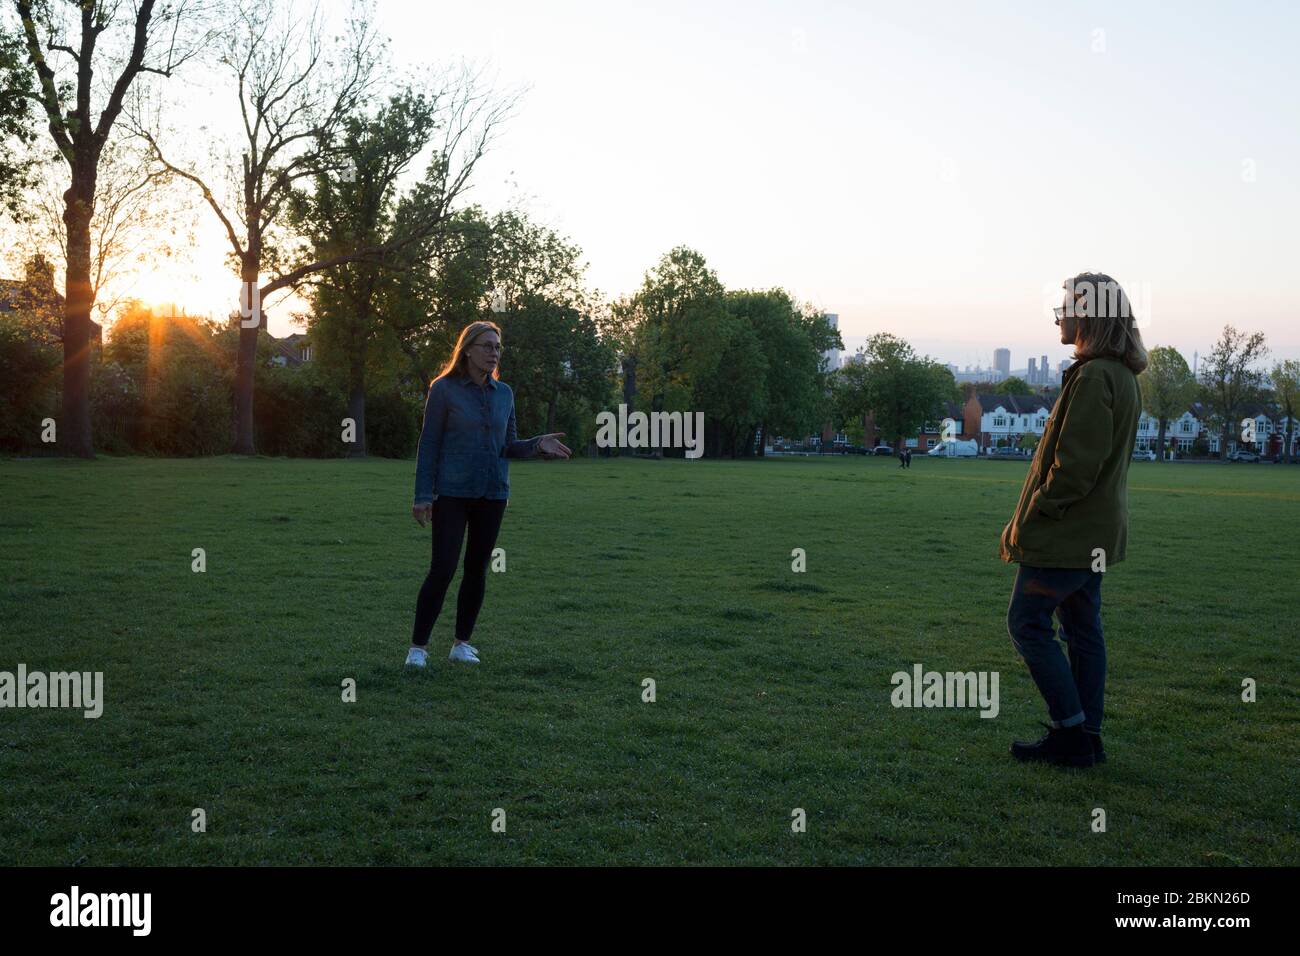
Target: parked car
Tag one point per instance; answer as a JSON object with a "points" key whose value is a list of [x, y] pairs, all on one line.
{"points": [[1144, 454], [1005, 453], [882, 450], [1242, 455]]}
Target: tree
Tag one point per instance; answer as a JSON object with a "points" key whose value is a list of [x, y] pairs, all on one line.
{"points": [[733, 394], [1228, 381], [17, 132], [901, 390], [1285, 378], [152, 47], [37, 306], [679, 305], [552, 339], [1168, 389], [30, 338], [130, 226], [295, 94], [347, 215], [793, 386], [178, 399], [292, 98], [1013, 385]]}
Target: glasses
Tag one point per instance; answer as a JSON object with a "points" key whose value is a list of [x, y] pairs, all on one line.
{"points": [[491, 347], [1059, 312]]}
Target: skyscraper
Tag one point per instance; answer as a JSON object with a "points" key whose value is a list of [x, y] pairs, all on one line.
{"points": [[1002, 361], [1033, 372], [832, 356], [1044, 373]]}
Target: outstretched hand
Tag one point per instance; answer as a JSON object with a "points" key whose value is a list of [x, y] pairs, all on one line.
{"points": [[551, 447]]}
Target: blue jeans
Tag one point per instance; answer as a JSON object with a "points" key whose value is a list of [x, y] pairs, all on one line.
{"points": [[1073, 688]]}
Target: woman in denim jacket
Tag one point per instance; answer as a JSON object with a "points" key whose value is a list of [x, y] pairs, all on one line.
{"points": [[462, 480]]}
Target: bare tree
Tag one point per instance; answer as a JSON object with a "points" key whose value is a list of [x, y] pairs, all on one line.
{"points": [[88, 39], [296, 93], [130, 228]]}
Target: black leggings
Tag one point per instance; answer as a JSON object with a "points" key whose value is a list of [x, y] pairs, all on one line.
{"points": [[450, 518]]}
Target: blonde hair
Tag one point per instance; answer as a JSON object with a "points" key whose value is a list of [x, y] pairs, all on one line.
{"points": [[1107, 326], [467, 337]]}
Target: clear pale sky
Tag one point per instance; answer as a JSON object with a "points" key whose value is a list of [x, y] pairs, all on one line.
{"points": [[931, 169]]}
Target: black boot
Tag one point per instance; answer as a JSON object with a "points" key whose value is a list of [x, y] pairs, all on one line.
{"points": [[1098, 751], [1067, 746]]}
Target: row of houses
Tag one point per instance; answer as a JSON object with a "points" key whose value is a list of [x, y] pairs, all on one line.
{"points": [[994, 420]]}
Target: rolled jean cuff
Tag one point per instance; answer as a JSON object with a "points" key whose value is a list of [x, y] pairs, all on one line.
{"points": [[1069, 721]]}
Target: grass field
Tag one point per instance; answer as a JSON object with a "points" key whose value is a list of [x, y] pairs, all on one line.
{"points": [[223, 689]]}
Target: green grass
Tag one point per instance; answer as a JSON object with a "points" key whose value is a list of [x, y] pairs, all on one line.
{"points": [[223, 688]]}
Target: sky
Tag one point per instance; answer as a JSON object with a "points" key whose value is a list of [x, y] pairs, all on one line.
{"points": [[929, 169]]}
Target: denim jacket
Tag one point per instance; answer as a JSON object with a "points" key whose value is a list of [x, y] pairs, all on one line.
{"points": [[468, 435]]}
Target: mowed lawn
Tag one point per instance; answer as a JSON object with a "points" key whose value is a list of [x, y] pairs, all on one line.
{"points": [[223, 689]]}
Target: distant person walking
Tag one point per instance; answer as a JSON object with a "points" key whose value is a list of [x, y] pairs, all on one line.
{"points": [[902, 459], [1072, 519], [462, 480], [908, 461]]}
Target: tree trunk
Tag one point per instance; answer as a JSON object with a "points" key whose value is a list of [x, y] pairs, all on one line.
{"points": [[629, 383], [246, 361], [357, 401], [1160, 442], [74, 432]]}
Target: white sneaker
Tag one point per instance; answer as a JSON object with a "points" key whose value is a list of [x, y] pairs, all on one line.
{"points": [[463, 653], [417, 657]]}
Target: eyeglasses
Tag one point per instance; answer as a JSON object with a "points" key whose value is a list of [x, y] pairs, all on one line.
{"points": [[490, 346], [1059, 312]]}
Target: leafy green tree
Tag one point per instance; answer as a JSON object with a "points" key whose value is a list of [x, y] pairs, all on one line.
{"points": [[557, 364], [17, 130], [900, 389], [733, 394], [28, 369], [681, 312], [794, 386], [1013, 385], [1168, 389], [1285, 378], [353, 219], [1229, 380], [554, 358]]}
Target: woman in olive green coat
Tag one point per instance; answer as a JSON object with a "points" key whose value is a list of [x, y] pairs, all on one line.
{"points": [[1072, 519]]}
